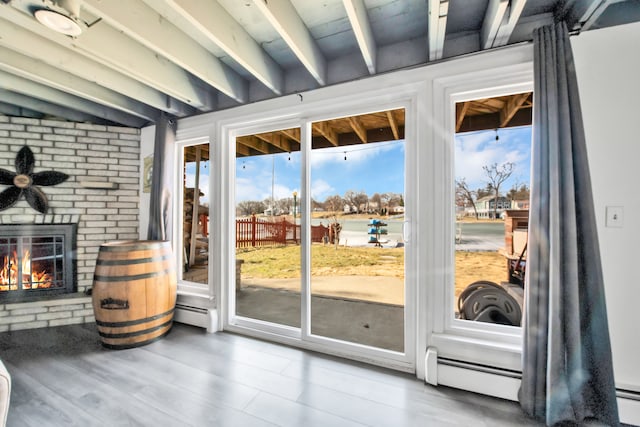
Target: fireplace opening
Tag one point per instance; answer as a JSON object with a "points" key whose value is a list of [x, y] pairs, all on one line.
{"points": [[36, 260]]}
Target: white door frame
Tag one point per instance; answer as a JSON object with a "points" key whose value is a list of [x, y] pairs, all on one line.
{"points": [[293, 118]]}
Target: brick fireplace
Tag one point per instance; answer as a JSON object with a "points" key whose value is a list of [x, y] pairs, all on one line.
{"points": [[89, 154]]}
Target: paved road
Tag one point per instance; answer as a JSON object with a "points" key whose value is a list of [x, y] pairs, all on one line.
{"points": [[482, 236]]}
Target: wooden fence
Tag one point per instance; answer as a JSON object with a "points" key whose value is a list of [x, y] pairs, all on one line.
{"points": [[259, 232]]}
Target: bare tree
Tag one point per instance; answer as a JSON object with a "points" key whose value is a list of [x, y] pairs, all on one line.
{"points": [[284, 205], [315, 205], [385, 198], [465, 196], [362, 200], [250, 207], [484, 192], [377, 201], [519, 192], [356, 199], [395, 199], [496, 175], [334, 203]]}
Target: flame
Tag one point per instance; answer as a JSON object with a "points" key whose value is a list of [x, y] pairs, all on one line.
{"points": [[30, 280]]}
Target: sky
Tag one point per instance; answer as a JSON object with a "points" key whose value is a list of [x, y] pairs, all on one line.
{"points": [[374, 167], [473, 150]]}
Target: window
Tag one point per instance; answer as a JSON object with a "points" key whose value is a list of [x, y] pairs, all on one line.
{"points": [[492, 175], [196, 169]]}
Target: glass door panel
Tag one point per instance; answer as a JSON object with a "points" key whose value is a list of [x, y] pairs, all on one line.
{"points": [[492, 177], [267, 227], [195, 214], [357, 249]]}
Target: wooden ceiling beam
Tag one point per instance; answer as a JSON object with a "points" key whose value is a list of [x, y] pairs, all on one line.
{"points": [[26, 106], [357, 13], [358, 129], [150, 66], [492, 21], [211, 20], [54, 96], [242, 149], [511, 107], [327, 131], [164, 38], [257, 144], [282, 15], [292, 134], [37, 71], [27, 36], [393, 123], [580, 15], [438, 11], [511, 18], [492, 121], [461, 111], [277, 139]]}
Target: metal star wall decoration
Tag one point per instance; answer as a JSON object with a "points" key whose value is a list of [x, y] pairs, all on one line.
{"points": [[24, 181]]}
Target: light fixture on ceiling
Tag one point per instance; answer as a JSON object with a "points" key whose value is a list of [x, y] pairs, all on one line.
{"points": [[61, 16]]}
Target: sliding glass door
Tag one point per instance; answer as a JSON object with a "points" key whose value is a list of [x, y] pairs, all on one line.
{"points": [[318, 216], [267, 227], [357, 247]]}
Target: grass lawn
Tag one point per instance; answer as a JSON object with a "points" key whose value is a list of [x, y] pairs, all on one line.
{"points": [[326, 260]]}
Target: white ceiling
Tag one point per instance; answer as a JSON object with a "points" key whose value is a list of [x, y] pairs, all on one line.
{"points": [[138, 58]]}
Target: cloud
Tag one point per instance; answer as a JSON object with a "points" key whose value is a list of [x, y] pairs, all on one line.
{"points": [[251, 189], [254, 180], [478, 149], [355, 154], [321, 189], [190, 178]]}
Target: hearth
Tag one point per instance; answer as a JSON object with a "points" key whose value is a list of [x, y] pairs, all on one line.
{"points": [[36, 260]]}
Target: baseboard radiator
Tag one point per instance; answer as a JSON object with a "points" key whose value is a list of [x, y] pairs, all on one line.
{"points": [[473, 377], [504, 383], [629, 406], [197, 316]]}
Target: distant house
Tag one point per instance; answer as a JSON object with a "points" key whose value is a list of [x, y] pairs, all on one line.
{"points": [[520, 204], [485, 206], [395, 210]]}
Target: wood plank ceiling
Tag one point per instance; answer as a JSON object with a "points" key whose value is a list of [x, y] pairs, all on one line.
{"points": [[137, 59], [473, 115]]}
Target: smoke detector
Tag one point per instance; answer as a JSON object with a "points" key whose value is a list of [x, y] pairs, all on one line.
{"points": [[61, 16]]}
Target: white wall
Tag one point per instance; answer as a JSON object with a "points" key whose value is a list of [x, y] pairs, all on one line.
{"points": [[608, 69]]}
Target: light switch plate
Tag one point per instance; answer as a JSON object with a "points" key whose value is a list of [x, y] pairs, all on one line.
{"points": [[615, 216]]}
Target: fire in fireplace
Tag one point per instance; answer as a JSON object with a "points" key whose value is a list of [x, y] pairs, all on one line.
{"points": [[36, 260]]}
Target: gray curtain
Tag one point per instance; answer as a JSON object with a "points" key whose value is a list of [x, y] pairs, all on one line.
{"points": [[567, 369], [160, 201]]}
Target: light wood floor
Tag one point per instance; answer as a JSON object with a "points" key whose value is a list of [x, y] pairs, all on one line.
{"points": [[63, 377]]}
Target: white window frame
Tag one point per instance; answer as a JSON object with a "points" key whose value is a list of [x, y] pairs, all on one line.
{"points": [[186, 287], [482, 343], [432, 227]]}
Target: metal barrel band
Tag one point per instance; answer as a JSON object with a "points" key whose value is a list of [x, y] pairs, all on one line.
{"points": [[133, 277], [133, 322], [135, 333], [109, 262]]}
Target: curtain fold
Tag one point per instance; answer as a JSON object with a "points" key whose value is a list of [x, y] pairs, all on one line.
{"points": [[567, 368], [160, 198]]}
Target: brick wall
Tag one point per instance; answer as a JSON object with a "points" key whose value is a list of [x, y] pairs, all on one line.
{"points": [[85, 152]]}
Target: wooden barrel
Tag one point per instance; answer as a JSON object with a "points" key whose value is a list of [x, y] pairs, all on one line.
{"points": [[134, 292]]}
